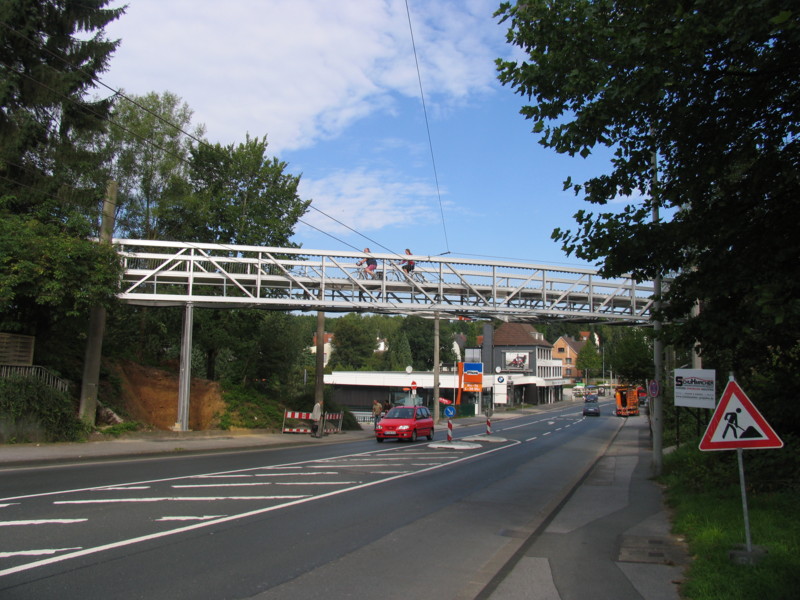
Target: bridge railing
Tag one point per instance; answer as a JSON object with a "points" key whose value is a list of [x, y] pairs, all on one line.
{"points": [[174, 273]]}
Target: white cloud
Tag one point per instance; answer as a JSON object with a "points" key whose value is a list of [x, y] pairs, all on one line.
{"points": [[301, 71], [367, 201], [304, 71]]}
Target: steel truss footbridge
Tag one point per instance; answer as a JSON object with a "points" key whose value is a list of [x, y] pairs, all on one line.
{"points": [[190, 275], [160, 273]]}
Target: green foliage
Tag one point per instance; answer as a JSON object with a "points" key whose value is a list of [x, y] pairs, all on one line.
{"points": [[766, 471], [589, 358], [772, 389], [702, 489], [50, 188], [26, 399], [150, 160], [420, 335], [47, 275], [48, 78], [119, 429], [239, 196], [695, 84], [149, 335], [629, 353], [399, 353], [248, 409], [353, 343]]}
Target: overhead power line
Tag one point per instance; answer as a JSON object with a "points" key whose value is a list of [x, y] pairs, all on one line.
{"points": [[427, 127], [120, 94]]}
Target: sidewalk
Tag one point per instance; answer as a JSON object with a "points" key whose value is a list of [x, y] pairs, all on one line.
{"points": [[168, 442], [163, 442], [610, 540]]}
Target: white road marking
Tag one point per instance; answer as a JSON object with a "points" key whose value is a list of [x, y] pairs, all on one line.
{"points": [[216, 485], [176, 499], [41, 522], [226, 519], [317, 482], [306, 474], [370, 465], [203, 518], [43, 552]]}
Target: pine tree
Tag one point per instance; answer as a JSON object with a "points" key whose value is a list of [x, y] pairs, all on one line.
{"points": [[51, 52]]}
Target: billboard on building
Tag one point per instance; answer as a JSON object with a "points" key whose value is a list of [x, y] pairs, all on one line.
{"points": [[516, 361]]}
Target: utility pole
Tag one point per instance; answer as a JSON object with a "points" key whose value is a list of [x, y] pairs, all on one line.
{"points": [[97, 322], [319, 385], [656, 407], [436, 415]]}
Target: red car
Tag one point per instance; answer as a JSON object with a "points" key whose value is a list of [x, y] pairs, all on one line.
{"points": [[405, 423]]}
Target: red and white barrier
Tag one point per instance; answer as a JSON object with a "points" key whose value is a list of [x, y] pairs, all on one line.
{"points": [[333, 422], [488, 426], [449, 430]]}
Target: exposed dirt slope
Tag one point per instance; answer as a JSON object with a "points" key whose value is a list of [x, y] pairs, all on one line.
{"points": [[150, 396]]}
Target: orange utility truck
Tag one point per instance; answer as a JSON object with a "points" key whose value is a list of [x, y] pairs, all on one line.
{"points": [[627, 399]]}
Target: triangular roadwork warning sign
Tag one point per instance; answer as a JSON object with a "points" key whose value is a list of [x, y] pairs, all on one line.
{"points": [[736, 423]]}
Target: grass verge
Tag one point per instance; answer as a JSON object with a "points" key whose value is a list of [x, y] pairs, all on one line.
{"points": [[710, 517]]}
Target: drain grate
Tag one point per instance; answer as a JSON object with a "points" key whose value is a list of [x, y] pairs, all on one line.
{"points": [[654, 550]]}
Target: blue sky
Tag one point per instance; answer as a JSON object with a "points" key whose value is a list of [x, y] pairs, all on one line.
{"points": [[333, 85]]}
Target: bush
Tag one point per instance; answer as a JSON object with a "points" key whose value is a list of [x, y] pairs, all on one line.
{"points": [[25, 400], [120, 428], [247, 408], [764, 470]]}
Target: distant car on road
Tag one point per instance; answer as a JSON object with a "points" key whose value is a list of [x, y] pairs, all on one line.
{"points": [[405, 423], [590, 407]]}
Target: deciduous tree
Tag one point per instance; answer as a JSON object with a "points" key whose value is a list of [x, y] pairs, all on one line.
{"points": [[700, 102], [148, 153], [240, 195], [353, 343], [589, 360]]}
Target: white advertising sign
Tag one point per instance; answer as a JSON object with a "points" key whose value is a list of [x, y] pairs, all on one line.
{"points": [[695, 388], [500, 390]]}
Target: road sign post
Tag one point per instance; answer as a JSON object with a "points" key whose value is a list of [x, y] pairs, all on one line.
{"points": [[735, 425], [449, 412]]}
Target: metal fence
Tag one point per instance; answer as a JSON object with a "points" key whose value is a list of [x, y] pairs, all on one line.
{"points": [[35, 372]]}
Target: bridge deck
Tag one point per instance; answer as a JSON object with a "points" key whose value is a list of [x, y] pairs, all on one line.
{"points": [[214, 275]]}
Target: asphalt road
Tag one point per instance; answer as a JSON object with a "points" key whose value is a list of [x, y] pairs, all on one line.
{"points": [[340, 521]]}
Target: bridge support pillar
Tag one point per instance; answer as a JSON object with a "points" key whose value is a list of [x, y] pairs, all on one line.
{"points": [[185, 380]]}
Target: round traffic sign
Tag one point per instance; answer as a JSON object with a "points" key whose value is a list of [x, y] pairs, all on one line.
{"points": [[654, 388], [449, 411]]}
